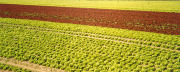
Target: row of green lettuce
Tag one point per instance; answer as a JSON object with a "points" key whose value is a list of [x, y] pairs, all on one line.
{"points": [[12, 68], [105, 37], [139, 35], [73, 53]]}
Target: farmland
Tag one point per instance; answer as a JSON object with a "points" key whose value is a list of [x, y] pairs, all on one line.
{"points": [[73, 47], [89, 36], [12, 68], [162, 6], [158, 22]]}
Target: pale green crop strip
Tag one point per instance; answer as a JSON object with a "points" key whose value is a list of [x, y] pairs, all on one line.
{"points": [[160, 6], [73, 53], [138, 35], [103, 37]]}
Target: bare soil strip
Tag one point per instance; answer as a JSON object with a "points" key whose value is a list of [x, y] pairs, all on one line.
{"points": [[27, 65], [5, 71], [65, 33], [159, 22]]}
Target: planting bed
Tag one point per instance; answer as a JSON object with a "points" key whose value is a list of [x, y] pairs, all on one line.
{"points": [[10, 68], [79, 48], [159, 22]]}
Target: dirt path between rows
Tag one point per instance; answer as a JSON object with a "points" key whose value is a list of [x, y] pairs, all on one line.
{"points": [[5, 71], [159, 22], [28, 65]]}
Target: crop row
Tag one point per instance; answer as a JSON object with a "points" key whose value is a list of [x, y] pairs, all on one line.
{"points": [[72, 53], [137, 35], [12, 68], [98, 36]]}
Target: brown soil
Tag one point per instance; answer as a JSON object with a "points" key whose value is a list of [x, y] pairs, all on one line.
{"points": [[159, 22], [5, 71]]}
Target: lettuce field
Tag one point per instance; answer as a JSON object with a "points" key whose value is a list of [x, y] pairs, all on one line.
{"points": [[59, 37]]}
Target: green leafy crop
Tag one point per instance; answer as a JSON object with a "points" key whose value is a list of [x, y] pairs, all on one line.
{"points": [[78, 48], [12, 68]]}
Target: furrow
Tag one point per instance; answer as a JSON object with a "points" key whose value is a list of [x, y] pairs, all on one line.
{"points": [[28, 65]]}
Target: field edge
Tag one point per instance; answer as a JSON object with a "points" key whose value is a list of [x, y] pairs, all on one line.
{"points": [[128, 5]]}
